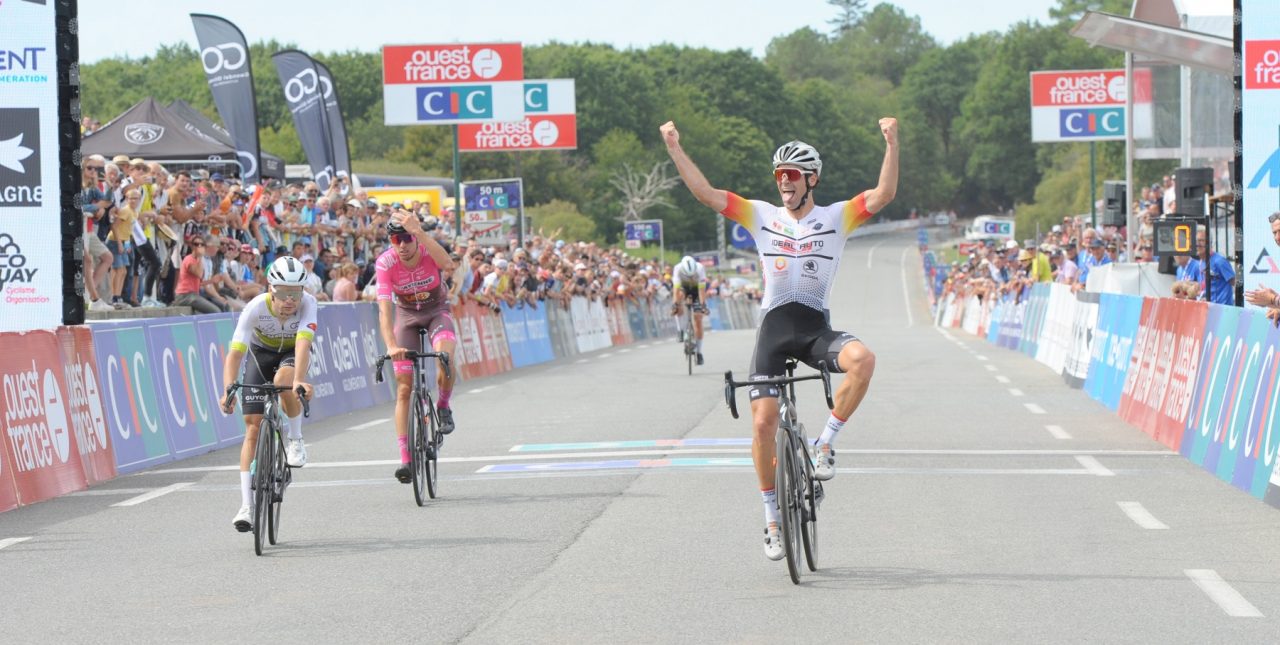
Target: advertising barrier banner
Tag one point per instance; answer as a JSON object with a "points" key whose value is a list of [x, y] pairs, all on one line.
{"points": [[340, 371], [39, 442], [528, 334], [1231, 430], [371, 342], [619, 330], [563, 342], [8, 490], [1075, 368], [84, 403], [1112, 346], [213, 336], [133, 411], [1056, 336], [186, 408], [1163, 367]]}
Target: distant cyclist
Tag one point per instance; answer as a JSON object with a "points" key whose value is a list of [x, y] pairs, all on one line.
{"points": [[412, 295], [689, 281], [800, 246], [276, 330]]}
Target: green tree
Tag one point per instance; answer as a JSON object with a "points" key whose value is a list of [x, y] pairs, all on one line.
{"points": [[849, 14], [886, 43], [1071, 11], [564, 217]]}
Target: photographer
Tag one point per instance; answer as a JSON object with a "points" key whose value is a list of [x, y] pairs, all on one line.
{"points": [[97, 204]]}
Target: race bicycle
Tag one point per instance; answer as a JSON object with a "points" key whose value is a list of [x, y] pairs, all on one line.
{"points": [[425, 438], [271, 474], [799, 494], [687, 333]]}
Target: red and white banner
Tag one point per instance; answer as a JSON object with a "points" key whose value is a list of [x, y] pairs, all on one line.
{"points": [[548, 132], [39, 441], [85, 404], [452, 63], [1161, 379]]}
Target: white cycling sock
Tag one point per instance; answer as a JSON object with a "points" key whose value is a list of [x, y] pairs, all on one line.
{"points": [[246, 496], [834, 424], [295, 427], [699, 345], [770, 506]]}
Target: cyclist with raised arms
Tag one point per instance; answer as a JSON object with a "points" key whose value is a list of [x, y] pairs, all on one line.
{"points": [[412, 295], [689, 280], [276, 330], [800, 247]]}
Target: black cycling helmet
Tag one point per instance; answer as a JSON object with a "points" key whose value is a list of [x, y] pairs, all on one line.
{"points": [[393, 227]]}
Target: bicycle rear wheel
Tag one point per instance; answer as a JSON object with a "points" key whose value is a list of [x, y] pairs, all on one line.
{"points": [[417, 449], [263, 458], [788, 491]]}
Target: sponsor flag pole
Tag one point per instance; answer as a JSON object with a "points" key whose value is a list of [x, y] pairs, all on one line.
{"points": [[339, 147], [457, 185], [302, 94]]}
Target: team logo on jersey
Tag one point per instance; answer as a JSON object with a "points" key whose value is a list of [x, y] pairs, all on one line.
{"points": [[818, 226], [780, 263], [810, 266]]}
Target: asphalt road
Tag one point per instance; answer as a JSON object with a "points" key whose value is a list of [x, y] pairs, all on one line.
{"points": [[963, 511]]}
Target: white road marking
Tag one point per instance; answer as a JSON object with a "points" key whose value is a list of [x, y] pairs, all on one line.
{"points": [[906, 296], [12, 541], [1222, 593], [475, 391], [581, 360], [1141, 516], [1034, 409], [146, 497], [623, 350], [606, 355], [535, 456], [1094, 467], [644, 346], [872, 252], [375, 422], [1002, 379], [1015, 391], [991, 368], [980, 357], [1057, 432]]}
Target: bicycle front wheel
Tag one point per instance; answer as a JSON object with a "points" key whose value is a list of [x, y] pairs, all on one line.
{"points": [[279, 478], [431, 453], [789, 498], [263, 459], [811, 494], [417, 449]]}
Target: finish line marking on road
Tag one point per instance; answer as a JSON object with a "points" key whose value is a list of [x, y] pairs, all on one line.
{"points": [[370, 424], [645, 443], [1057, 432], [617, 464], [12, 541], [1222, 593], [146, 497], [991, 368], [1094, 467]]}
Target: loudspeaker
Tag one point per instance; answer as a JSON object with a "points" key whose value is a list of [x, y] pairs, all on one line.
{"points": [[1114, 203], [1167, 265], [1192, 185]]}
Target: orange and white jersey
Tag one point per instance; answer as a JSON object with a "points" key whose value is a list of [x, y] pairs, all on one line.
{"points": [[798, 258]]}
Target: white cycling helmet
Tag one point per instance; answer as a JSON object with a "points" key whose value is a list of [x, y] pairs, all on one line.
{"points": [[798, 153], [287, 272], [688, 266]]}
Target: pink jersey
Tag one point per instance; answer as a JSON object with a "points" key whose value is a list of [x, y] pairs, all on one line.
{"points": [[418, 288]]}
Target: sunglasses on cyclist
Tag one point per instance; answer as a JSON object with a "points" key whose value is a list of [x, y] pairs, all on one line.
{"points": [[287, 293], [402, 238], [792, 174]]}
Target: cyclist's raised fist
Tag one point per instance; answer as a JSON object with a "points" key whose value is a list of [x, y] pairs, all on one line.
{"points": [[670, 135], [889, 128]]}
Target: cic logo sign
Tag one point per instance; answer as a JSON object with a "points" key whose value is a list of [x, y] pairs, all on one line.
{"points": [[1090, 122], [439, 103]]}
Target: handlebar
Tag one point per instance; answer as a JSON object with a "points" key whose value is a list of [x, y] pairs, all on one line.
{"points": [[443, 357], [274, 389], [731, 386]]}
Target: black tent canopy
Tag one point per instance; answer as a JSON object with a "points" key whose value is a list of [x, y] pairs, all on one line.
{"points": [[157, 133]]}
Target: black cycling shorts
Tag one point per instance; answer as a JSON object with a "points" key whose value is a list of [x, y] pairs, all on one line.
{"points": [[690, 293], [794, 331], [261, 369]]}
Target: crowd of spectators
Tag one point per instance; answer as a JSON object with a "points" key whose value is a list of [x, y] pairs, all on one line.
{"points": [[198, 239], [1068, 252]]}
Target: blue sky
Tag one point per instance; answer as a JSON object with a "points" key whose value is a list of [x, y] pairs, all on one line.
{"points": [[110, 29]]}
